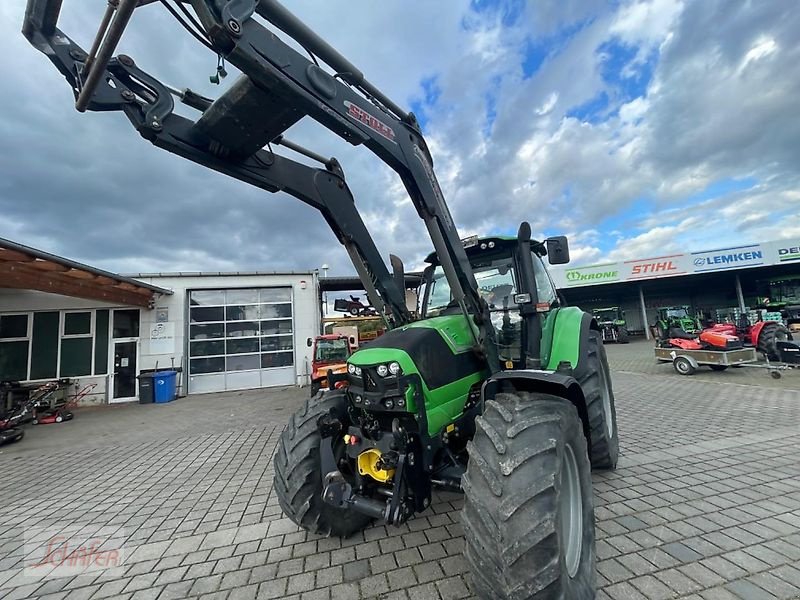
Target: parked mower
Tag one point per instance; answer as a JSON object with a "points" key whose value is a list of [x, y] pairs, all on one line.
{"points": [[46, 412], [764, 336], [511, 404], [330, 355], [10, 430], [353, 306], [612, 324]]}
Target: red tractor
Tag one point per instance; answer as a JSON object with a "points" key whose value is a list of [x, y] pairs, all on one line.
{"points": [[764, 335], [330, 354]]}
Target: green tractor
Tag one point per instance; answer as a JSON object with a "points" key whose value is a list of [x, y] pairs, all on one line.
{"points": [[612, 324], [497, 390], [677, 317]]}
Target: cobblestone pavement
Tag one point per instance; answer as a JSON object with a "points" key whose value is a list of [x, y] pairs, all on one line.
{"points": [[705, 503]]}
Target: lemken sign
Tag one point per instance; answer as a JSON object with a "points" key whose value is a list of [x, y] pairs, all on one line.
{"points": [[728, 258]]}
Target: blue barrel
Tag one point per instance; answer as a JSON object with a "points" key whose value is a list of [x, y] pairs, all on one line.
{"points": [[164, 386]]}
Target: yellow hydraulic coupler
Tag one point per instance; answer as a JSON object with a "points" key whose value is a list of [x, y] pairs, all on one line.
{"points": [[368, 465]]}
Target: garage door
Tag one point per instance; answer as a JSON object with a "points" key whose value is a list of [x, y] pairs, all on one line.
{"points": [[240, 338]]}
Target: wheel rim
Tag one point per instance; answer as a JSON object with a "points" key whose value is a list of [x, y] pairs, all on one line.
{"points": [[570, 507], [604, 389], [683, 367]]}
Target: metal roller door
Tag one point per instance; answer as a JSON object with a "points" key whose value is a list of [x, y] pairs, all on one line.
{"points": [[240, 339]]}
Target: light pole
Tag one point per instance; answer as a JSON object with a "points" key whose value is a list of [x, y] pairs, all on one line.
{"points": [[325, 293]]}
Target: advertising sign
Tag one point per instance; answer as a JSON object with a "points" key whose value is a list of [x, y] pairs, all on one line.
{"points": [[593, 274], [788, 252], [728, 258], [660, 266]]}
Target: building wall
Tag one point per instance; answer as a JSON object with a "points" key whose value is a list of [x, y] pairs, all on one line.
{"points": [[163, 329]]}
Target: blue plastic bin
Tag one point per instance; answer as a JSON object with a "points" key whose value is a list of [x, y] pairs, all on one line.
{"points": [[164, 385]]}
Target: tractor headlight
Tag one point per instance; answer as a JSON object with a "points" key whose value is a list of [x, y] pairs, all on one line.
{"points": [[351, 369], [401, 402], [358, 371], [394, 368], [383, 370]]}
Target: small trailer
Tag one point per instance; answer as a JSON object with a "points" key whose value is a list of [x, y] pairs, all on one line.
{"points": [[686, 362]]}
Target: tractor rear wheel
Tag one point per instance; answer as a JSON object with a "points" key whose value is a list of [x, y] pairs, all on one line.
{"points": [[595, 379], [768, 339], [298, 471], [623, 336], [528, 509]]}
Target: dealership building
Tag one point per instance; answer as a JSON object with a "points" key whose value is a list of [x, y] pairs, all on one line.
{"points": [[707, 281], [233, 331]]}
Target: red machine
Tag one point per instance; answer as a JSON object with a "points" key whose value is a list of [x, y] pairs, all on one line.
{"points": [[764, 335], [709, 339], [45, 414], [330, 354]]}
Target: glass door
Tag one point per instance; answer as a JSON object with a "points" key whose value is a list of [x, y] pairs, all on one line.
{"points": [[124, 374]]}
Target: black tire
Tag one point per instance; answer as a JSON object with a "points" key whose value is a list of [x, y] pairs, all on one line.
{"points": [[718, 367], [298, 475], [768, 339], [515, 525], [354, 310], [622, 336], [9, 436], [683, 366], [595, 378], [315, 388]]}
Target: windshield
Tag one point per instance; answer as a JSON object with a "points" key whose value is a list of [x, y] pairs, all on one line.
{"points": [[677, 312], [606, 315], [332, 350]]}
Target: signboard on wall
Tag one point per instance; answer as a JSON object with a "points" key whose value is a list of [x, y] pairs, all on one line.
{"points": [[162, 338], [592, 275], [660, 266], [728, 258]]}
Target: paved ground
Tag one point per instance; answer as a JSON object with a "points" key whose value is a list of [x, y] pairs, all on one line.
{"points": [[705, 502]]}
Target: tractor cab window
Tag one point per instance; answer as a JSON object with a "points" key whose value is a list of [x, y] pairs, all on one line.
{"points": [[497, 286], [332, 351], [545, 290]]}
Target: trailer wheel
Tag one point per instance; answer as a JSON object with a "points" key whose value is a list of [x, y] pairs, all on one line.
{"points": [[595, 380], [298, 471], [528, 508], [683, 366], [718, 367]]}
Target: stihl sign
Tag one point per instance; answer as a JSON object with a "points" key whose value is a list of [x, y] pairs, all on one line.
{"points": [[653, 267]]}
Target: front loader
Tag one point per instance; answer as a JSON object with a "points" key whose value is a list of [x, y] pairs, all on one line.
{"points": [[497, 390]]}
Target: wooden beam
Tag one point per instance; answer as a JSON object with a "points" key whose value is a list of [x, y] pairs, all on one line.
{"points": [[78, 274], [13, 255], [14, 276], [46, 265]]}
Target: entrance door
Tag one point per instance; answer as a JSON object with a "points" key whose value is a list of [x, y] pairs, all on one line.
{"points": [[124, 386]]}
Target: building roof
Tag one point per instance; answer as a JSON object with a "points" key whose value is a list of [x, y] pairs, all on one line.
{"points": [[23, 267]]}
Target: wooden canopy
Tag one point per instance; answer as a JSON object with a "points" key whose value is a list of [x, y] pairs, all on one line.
{"points": [[22, 267]]}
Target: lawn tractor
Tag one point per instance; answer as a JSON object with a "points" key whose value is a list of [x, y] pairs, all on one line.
{"points": [[330, 355], [497, 390], [677, 317], [612, 324], [764, 336]]}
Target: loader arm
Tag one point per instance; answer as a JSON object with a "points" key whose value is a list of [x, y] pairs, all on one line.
{"points": [[279, 86]]}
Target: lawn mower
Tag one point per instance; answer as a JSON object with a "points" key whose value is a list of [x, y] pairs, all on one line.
{"points": [[764, 336], [507, 399], [612, 324], [10, 430], [46, 412], [353, 306]]}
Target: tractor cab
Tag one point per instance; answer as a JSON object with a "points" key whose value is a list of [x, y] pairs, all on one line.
{"points": [[330, 355], [496, 264]]}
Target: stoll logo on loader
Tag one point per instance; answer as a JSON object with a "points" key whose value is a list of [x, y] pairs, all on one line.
{"points": [[582, 275]]}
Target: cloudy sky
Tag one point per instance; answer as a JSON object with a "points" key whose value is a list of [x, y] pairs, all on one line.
{"points": [[635, 127]]}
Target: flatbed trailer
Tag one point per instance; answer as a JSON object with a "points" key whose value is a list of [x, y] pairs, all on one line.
{"points": [[686, 362]]}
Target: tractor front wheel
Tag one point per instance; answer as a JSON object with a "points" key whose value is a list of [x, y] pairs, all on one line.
{"points": [[623, 336], [528, 510], [595, 379], [298, 471]]}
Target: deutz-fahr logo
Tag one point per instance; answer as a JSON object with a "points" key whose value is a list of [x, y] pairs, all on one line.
{"points": [[789, 254], [578, 277], [359, 114]]}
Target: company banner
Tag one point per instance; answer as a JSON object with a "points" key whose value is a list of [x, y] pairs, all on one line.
{"points": [[785, 251], [659, 266], [728, 258], [592, 274]]}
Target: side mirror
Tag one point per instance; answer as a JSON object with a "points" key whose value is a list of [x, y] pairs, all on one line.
{"points": [[352, 341], [309, 342], [557, 250]]}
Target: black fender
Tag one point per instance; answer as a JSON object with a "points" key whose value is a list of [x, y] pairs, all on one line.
{"points": [[561, 384]]}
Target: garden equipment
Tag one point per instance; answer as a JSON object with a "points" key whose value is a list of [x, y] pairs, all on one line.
{"points": [[353, 306], [612, 324], [498, 390], [10, 430], [45, 412]]}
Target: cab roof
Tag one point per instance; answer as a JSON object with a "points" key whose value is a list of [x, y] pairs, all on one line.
{"points": [[496, 243]]}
